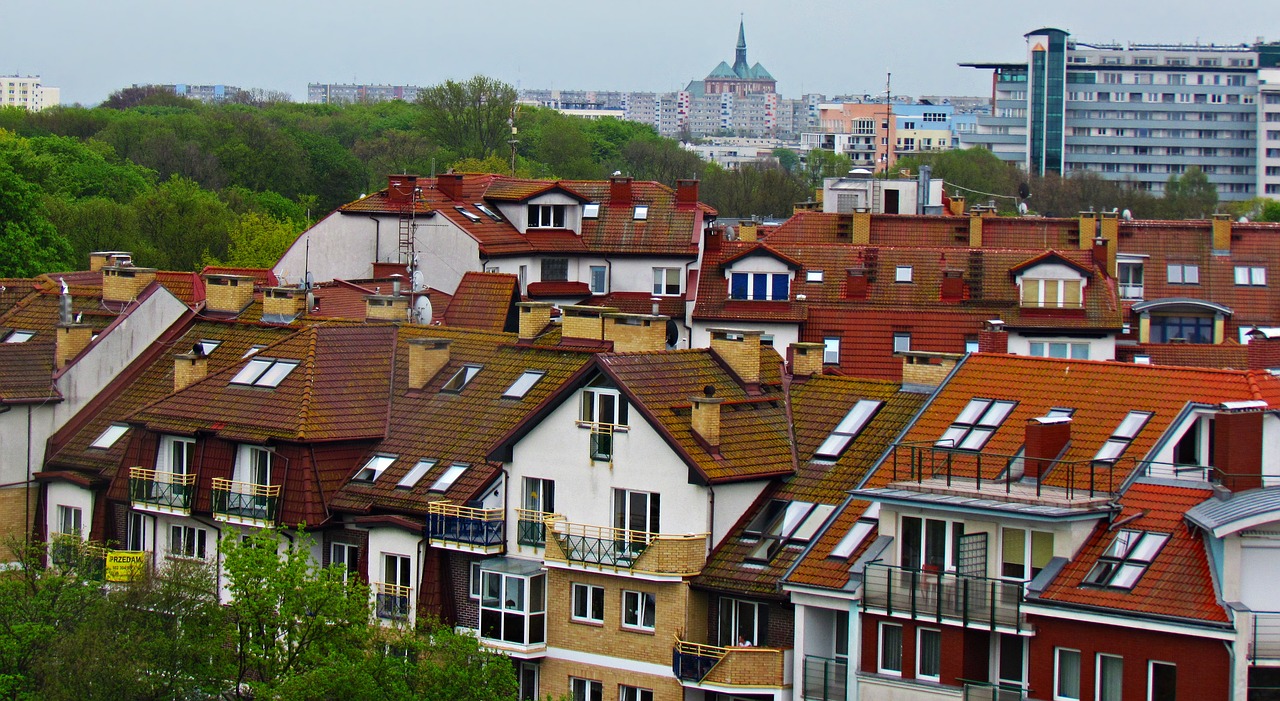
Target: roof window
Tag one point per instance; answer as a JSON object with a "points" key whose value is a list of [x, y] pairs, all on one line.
{"points": [[848, 429], [19, 336], [852, 539], [252, 351], [206, 346], [469, 215], [450, 476], [1123, 436], [1128, 556], [523, 384], [591, 211], [813, 276], [976, 424], [642, 212], [264, 372], [374, 468], [789, 522], [488, 212], [461, 378], [415, 473], [109, 437]]}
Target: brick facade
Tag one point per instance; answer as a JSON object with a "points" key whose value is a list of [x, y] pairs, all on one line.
{"points": [[17, 506]]}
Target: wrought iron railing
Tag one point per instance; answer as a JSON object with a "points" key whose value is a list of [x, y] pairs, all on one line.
{"points": [[531, 527], [70, 553], [943, 597], [464, 525], [824, 678], [392, 601], [157, 488], [246, 501]]}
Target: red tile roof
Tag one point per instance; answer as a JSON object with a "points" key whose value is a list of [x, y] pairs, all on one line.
{"points": [[559, 288], [484, 301], [262, 277]]}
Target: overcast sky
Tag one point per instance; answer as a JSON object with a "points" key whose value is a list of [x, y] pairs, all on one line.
{"points": [[90, 48]]}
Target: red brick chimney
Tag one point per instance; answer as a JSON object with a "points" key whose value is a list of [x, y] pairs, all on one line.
{"points": [[620, 190], [686, 194], [400, 189], [713, 236], [1045, 439], [952, 286], [993, 338], [450, 185], [1264, 353], [1237, 445], [856, 284]]}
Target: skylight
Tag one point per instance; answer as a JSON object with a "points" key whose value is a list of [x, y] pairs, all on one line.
{"points": [[19, 336], [591, 211], [461, 378], [523, 384], [850, 541], [252, 350], [109, 437], [488, 212], [469, 215], [1124, 561], [450, 476], [976, 424], [1124, 435], [373, 469], [410, 479], [264, 372], [642, 212], [207, 346], [813, 276], [789, 522], [848, 429]]}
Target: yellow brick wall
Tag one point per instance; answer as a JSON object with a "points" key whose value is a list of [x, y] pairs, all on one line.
{"points": [[387, 309], [975, 231], [426, 357], [861, 228], [125, 284], [743, 355], [806, 358], [1221, 232], [14, 510], [578, 325], [555, 674], [228, 294], [610, 638], [71, 339], [534, 317], [643, 333], [188, 369], [282, 303], [923, 373]]}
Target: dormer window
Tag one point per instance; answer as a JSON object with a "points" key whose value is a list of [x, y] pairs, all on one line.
{"points": [[642, 212], [546, 216], [1126, 559], [760, 286], [591, 210], [1064, 294]]}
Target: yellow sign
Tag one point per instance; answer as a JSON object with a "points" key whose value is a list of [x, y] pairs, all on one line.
{"points": [[125, 565]]}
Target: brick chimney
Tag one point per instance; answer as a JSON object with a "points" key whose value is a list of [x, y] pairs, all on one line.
{"points": [[705, 418], [975, 229], [534, 317], [927, 368], [856, 286], [1264, 353], [748, 231], [686, 194], [69, 341], [1046, 438], [636, 332], [400, 189], [993, 338], [713, 236], [582, 322], [1222, 234], [861, 227], [188, 369], [806, 359], [101, 259], [227, 294], [281, 305], [620, 190], [386, 307], [740, 350], [450, 185], [123, 283], [427, 356], [952, 286], [1237, 445]]}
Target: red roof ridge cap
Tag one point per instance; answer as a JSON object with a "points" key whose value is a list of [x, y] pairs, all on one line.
{"points": [[308, 382]]}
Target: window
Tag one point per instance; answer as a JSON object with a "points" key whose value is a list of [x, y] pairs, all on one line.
{"points": [[206, 346], [902, 274], [1124, 561], [415, 473], [546, 216], [1162, 681], [253, 350], [638, 610], [743, 623], [487, 212], [641, 212], [1066, 676], [461, 378], [666, 281], [475, 580], [901, 342], [831, 351], [1123, 436], [109, 437], [930, 544], [135, 537], [1011, 660], [1019, 548], [759, 286], [253, 465], [1129, 276], [639, 513], [852, 540], [394, 594], [1059, 349], [513, 607], [471, 217], [523, 384], [591, 210], [585, 689], [264, 372], [69, 520], [633, 693], [1189, 329], [555, 269], [1110, 678], [1248, 275], [976, 424], [848, 429], [603, 410], [1066, 294], [374, 468], [345, 557], [813, 276], [186, 541], [539, 498], [928, 654], [890, 649], [1180, 274], [598, 286], [588, 603], [450, 476], [782, 523], [176, 455], [19, 336]]}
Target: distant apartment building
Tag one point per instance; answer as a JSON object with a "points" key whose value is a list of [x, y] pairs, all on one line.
{"points": [[205, 93], [922, 128], [27, 92], [1136, 112], [1269, 132], [733, 151], [338, 93], [864, 131]]}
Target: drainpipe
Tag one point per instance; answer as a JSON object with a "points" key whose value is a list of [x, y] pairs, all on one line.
{"points": [[684, 323]]}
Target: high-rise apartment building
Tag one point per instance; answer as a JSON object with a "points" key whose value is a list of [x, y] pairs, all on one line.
{"points": [[326, 93], [27, 92], [1136, 112]]}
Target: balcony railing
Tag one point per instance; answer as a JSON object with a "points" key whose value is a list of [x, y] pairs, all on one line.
{"points": [[245, 502], [1131, 291], [757, 667], [935, 466], [531, 527], [392, 601], [164, 491], [465, 528], [975, 602], [1265, 643], [70, 553], [601, 547], [987, 691], [602, 442], [824, 678]]}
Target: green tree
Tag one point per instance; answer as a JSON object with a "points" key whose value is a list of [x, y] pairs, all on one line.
{"points": [[146, 95], [393, 152], [820, 164], [183, 223], [29, 243], [257, 241], [469, 118], [788, 159], [662, 160], [970, 172], [1189, 196]]}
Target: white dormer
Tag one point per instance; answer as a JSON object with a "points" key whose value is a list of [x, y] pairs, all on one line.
{"points": [[1051, 281], [549, 210], [760, 274]]}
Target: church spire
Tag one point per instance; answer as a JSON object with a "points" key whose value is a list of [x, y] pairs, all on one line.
{"points": [[740, 65]]}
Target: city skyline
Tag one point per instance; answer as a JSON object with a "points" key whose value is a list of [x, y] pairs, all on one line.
{"points": [[103, 48]]}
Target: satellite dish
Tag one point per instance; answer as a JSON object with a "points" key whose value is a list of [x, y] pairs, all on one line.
{"points": [[1243, 220], [311, 281], [419, 281], [422, 309], [673, 334], [1126, 215], [1024, 190]]}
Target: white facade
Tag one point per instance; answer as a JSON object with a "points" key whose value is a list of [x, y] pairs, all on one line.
{"points": [[27, 92], [1269, 133]]}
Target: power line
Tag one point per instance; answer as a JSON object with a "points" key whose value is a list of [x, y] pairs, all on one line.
{"points": [[978, 192]]}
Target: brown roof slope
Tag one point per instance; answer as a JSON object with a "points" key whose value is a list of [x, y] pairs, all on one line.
{"points": [[484, 301], [668, 229], [26, 369]]}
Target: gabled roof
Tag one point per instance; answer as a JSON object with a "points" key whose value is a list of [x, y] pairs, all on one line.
{"points": [[484, 301], [761, 249], [1053, 257], [517, 190]]}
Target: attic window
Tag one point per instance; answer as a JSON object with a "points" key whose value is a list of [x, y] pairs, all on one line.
{"points": [[1123, 436], [791, 522], [19, 336], [374, 468], [461, 378], [850, 541], [848, 429], [469, 215], [1124, 561], [976, 423], [252, 351], [411, 478], [523, 384], [264, 372], [488, 212], [450, 476], [813, 276], [591, 211], [642, 212], [207, 346], [109, 437], [902, 273]]}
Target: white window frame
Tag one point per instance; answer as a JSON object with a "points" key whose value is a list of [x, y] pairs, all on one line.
{"points": [[348, 550], [1057, 674], [1097, 673], [1151, 677], [901, 341], [813, 276], [109, 436], [920, 654], [880, 658], [1028, 551], [603, 287], [634, 693], [189, 539], [1182, 274], [247, 467], [135, 538], [164, 455], [374, 468], [544, 216], [645, 608], [70, 520], [662, 278], [903, 273], [1251, 275], [594, 595], [831, 351], [585, 689]]}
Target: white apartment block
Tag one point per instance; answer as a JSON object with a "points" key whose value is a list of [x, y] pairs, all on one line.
{"points": [[27, 92]]}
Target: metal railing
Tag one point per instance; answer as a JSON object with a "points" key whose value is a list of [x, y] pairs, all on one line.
{"points": [[987, 691], [696, 663], [531, 527], [620, 548], [157, 488], [602, 442], [944, 598], [1200, 473], [1265, 642], [824, 678], [464, 525], [1131, 291], [993, 472], [245, 501], [392, 601]]}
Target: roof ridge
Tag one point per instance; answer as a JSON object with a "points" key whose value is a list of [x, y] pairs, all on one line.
{"points": [[308, 382]]}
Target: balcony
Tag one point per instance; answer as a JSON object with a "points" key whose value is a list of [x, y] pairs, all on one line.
{"points": [[986, 691], [1130, 291], [245, 503], [1264, 645], [161, 492], [531, 527], [464, 528], [713, 667], [603, 548], [72, 555], [392, 602], [824, 678], [972, 602]]}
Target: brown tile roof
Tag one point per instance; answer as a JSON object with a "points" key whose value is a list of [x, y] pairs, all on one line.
{"points": [[639, 303], [817, 568], [484, 301], [1177, 583], [26, 369], [558, 288], [12, 290], [188, 287]]}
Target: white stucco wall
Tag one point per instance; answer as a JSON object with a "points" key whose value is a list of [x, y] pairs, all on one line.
{"points": [[70, 495], [783, 334], [1099, 348], [732, 500]]}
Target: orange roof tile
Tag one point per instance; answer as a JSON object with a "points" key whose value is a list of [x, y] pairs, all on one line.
{"points": [[484, 301]]}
